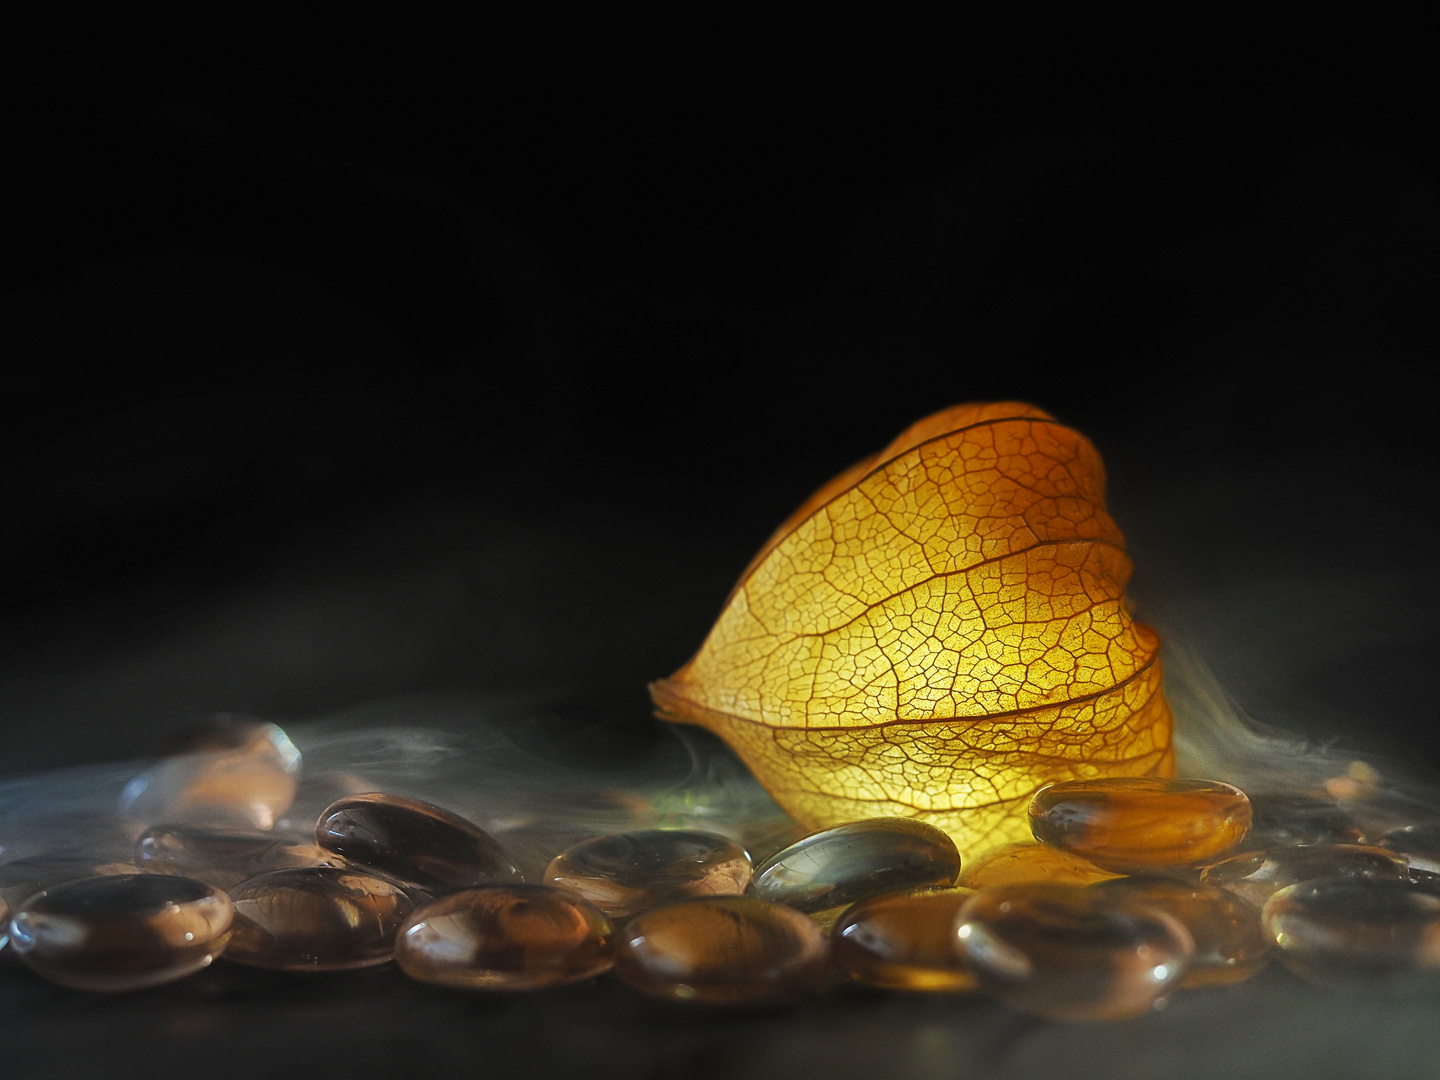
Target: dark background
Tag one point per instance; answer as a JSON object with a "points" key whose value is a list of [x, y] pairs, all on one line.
{"points": [[327, 384]]}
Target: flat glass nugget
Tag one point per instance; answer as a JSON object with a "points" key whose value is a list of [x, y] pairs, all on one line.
{"points": [[1230, 944], [1342, 931], [1294, 819], [506, 937], [235, 772], [22, 878], [1419, 846], [1136, 825], [1072, 952], [721, 950], [904, 941], [1014, 864], [839, 866], [123, 932], [318, 918], [629, 872], [414, 842], [1255, 876], [224, 857]]}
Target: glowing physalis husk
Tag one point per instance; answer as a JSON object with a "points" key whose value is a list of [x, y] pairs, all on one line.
{"points": [[937, 633]]}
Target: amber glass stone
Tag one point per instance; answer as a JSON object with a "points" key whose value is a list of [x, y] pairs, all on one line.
{"points": [[506, 937], [1419, 846], [122, 932], [1136, 825], [629, 872], [1230, 944], [319, 918], [22, 878], [903, 941], [839, 866], [1255, 876], [1014, 864], [414, 842], [224, 857], [1072, 952], [1295, 819], [234, 772], [1341, 931], [722, 950]]}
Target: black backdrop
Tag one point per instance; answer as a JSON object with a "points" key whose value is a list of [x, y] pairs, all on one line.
{"points": [[325, 385]]}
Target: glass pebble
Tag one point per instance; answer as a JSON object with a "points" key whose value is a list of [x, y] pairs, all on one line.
{"points": [[1230, 944], [1141, 824], [414, 842], [1342, 931], [1255, 876], [234, 772], [506, 937], [224, 857], [1419, 846], [1014, 864], [1071, 952], [839, 866], [629, 872], [722, 950], [319, 918], [123, 932], [1295, 819], [22, 878], [904, 941]]}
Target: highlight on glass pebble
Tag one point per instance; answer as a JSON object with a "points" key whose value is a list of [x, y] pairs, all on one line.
{"points": [[629, 872], [122, 932], [506, 937], [904, 941], [1255, 876]]}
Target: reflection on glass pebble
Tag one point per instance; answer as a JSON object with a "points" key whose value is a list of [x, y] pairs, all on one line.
{"points": [[1419, 846], [414, 842], [224, 857], [316, 919], [721, 950], [1230, 944], [629, 872], [506, 937], [124, 932], [22, 878], [1255, 876], [839, 866], [1141, 824], [1071, 952], [904, 941], [235, 772], [1014, 864], [4, 923], [1295, 819], [1343, 931]]}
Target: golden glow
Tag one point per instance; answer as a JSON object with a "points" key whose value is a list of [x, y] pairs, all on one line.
{"points": [[937, 633]]}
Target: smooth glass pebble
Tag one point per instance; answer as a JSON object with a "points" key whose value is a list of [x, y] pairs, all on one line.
{"points": [[1419, 846], [839, 866], [4, 923], [1071, 952], [22, 878], [1294, 819], [904, 941], [1344, 931], [1015, 864], [123, 932], [224, 857], [414, 842], [234, 773], [506, 937], [1141, 824], [316, 919], [1255, 876], [629, 872], [722, 950], [1230, 944]]}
